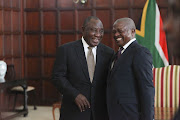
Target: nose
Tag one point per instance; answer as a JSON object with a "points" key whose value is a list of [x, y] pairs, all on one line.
{"points": [[98, 33], [116, 34]]}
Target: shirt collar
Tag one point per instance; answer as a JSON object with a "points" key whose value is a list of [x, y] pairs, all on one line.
{"points": [[127, 44], [85, 43]]}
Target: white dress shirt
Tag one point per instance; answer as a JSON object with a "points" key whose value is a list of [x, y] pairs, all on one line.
{"points": [[85, 45], [127, 44]]}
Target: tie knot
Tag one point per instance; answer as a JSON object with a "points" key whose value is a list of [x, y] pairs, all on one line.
{"points": [[90, 48], [121, 48]]}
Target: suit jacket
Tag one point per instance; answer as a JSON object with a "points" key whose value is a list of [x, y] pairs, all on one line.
{"points": [[71, 77], [130, 82]]}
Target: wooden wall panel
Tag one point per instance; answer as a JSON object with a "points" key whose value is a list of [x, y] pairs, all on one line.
{"points": [[67, 20], [17, 63], [15, 21], [103, 3], [164, 14], [65, 4], [7, 3], [162, 3], [32, 21], [48, 65], [48, 97], [32, 4], [107, 39], [32, 45], [82, 15], [33, 68], [8, 43], [16, 45], [1, 22], [121, 3], [49, 24], [50, 42], [120, 14], [16, 4], [7, 21], [67, 38], [1, 45], [104, 16], [136, 14], [38, 85], [138, 3], [1, 1], [49, 4]]}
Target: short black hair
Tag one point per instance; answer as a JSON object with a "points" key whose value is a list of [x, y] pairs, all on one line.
{"points": [[86, 21]]}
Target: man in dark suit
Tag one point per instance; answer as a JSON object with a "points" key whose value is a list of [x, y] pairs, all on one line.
{"points": [[130, 90], [80, 74]]}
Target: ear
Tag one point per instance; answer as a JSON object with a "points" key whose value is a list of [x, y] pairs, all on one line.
{"points": [[133, 32]]}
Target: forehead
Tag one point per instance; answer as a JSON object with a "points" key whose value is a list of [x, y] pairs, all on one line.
{"points": [[119, 25], [95, 23]]}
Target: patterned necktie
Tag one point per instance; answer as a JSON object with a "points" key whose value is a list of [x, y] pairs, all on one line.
{"points": [[118, 53], [91, 63]]}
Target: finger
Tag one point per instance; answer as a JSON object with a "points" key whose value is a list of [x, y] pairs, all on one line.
{"points": [[88, 104], [85, 103], [82, 105], [79, 107]]}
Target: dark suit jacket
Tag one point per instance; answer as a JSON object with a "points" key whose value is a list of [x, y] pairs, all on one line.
{"points": [[130, 82], [71, 77]]}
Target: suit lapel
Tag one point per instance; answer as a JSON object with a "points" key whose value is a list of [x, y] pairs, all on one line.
{"points": [[119, 61], [99, 60], [82, 59]]}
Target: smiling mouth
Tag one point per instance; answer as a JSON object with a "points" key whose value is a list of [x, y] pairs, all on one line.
{"points": [[95, 40], [119, 39]]}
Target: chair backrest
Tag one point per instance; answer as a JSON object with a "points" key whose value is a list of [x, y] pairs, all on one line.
{"points": [[166, 83], [10, 74]]}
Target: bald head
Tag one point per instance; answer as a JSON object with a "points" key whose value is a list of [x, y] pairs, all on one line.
{"points": [[128, 22]]}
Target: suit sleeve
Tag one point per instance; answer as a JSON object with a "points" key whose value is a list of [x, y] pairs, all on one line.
{"points": [[142, 65], [59, 74]]}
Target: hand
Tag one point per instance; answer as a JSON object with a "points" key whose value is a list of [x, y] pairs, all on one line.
{"points": [[82, 102]]}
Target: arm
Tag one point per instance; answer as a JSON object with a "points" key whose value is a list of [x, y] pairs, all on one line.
{"points": [[59, 79], [59, 74], [142, 65]]}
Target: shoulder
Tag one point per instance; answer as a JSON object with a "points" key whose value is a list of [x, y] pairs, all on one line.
{"points": [[139, 49], [106, 49], [69, 44]]}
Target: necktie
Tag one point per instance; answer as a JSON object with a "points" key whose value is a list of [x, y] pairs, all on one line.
{"points": [[91, 63], [118, 53]]}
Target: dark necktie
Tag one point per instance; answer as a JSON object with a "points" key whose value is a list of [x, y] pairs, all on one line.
{"points": [[118, 53]]}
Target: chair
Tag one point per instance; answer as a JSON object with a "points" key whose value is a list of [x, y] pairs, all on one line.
{"points": [[56, 105], [10, 75], [167, 92]]}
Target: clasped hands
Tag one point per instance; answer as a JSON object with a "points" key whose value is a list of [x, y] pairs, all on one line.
{"points": [[82, 102]]}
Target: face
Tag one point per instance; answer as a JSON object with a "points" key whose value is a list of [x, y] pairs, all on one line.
{"points": [[172, 26], [122, 34], [93, 32]]}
